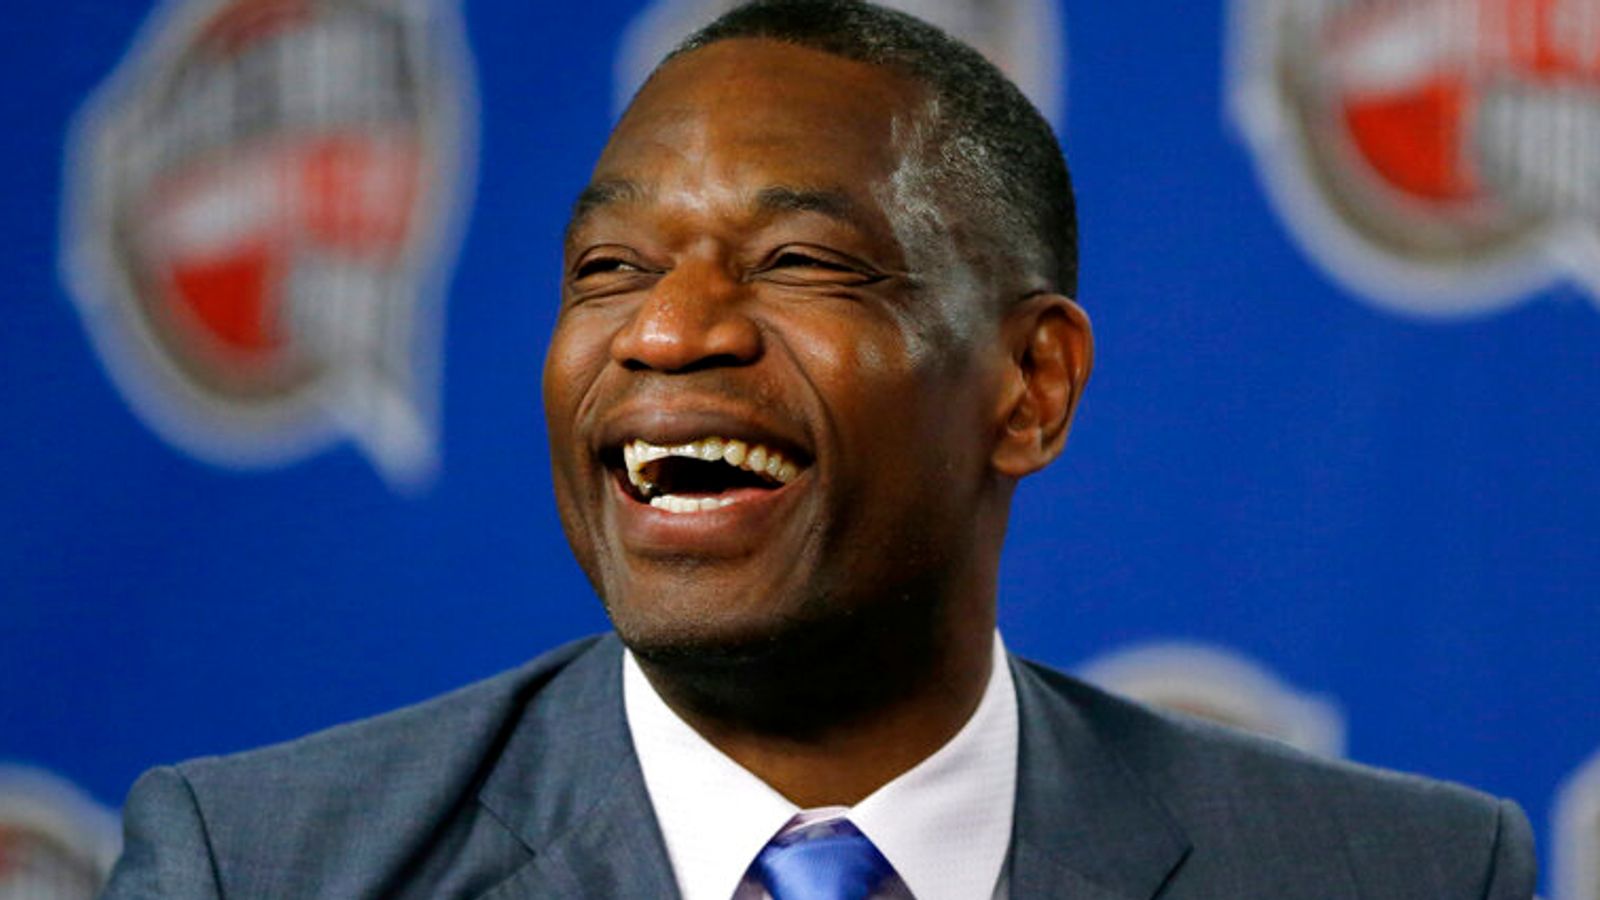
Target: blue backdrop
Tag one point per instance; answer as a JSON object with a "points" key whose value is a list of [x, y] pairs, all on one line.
{"points": [[1397, 512]]}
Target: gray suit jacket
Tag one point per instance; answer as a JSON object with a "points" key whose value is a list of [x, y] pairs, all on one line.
{"points": [[526, 785]]}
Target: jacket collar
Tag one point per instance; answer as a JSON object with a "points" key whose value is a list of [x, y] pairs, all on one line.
{"points": [[1085, 826], [568, 785]]}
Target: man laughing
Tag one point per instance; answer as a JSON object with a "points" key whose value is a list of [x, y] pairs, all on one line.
{"points": [[816, 324]]}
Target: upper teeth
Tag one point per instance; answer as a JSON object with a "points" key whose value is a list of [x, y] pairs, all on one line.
{"points": [[750, 457]]}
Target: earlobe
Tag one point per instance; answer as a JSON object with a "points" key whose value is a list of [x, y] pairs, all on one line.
{"points": [[1052, 352]]}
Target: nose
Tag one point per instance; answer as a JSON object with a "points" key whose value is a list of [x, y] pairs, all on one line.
{"points": [[693, 318]]}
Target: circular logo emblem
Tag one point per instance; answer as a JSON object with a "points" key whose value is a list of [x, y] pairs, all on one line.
{"points": [[55, 842], [258, 200], [1218, 684], [1437, 156], [1576, 855]]}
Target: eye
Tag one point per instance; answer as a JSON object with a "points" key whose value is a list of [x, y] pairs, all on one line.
{"points": [[795, 259], [602, 265], [607, 270], [802, 266]]}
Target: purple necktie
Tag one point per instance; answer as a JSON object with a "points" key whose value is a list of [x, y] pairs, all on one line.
{"points": [[827, 861]]}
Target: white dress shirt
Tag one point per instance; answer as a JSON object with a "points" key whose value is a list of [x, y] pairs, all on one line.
{"points": [[945, 824]]}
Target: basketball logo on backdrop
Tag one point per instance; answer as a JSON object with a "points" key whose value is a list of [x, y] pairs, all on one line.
{"points": [[1021, 37], [260, 205], [1438, 156], [1224, 686], [1576, 854], [55, 842]]}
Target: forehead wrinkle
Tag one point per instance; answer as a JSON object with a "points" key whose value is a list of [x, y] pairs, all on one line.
{"points": [[833, 203]]}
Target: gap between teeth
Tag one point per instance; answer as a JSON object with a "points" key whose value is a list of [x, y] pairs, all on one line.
{"points": [[750, 457]]}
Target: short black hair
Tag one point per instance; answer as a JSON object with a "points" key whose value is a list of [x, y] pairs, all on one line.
{"points": [[992, 148]]}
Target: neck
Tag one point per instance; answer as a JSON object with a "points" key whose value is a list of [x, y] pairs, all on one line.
{"points": [[832, 713]]}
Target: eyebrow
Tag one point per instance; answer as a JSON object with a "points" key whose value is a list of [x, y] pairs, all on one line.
{"points": [[599, 194], [830, 202]]}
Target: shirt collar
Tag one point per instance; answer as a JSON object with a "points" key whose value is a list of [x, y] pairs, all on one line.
{"points": [[945, 824]]}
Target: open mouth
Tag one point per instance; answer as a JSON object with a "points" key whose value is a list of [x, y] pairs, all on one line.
{"points": [[702, 475]]}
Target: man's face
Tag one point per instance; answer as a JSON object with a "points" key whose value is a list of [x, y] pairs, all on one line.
{"points": [[771, 390]]}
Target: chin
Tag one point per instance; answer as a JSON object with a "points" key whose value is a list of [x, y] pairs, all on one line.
{"points": [[701, 631], [763, 667], [722, 610]]}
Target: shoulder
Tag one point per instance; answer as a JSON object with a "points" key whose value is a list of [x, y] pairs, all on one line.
{"points": [[1252, 804], [346, 802], [423, 741]]}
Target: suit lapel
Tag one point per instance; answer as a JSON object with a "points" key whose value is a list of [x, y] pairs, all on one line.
{"points": [[569, 787], [1085, 826]]}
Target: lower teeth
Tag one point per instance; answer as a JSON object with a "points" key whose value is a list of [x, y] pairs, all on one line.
{"points": [[675, 504]]}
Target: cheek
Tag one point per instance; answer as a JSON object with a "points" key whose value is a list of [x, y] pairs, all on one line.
{"points": [[870, 357], [849, 341], [886, 394], [866, 379], [579, 351], [575, 359]]}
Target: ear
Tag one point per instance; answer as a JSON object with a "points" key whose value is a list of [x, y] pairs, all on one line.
{"points": [[1051, 352]]}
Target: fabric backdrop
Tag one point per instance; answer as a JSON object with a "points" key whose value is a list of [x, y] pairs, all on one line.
{"points": [[280, 275]]}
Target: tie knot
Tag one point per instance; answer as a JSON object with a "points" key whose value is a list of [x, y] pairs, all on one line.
{"points": [[830, 860]]}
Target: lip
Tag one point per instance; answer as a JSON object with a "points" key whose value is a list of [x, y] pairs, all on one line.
{"points": [[670, 426], [741, 528]]}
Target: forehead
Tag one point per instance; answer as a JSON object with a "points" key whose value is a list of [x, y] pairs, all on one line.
{"points": [[743, 114]]}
